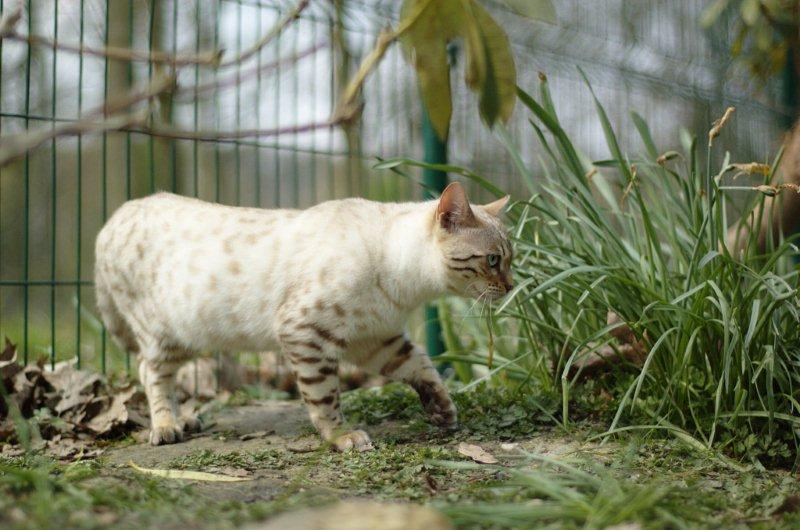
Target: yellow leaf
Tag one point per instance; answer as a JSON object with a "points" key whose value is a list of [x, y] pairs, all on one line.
{"points": [[188, 475], [498, 94], [490, 67], [425, 44]]}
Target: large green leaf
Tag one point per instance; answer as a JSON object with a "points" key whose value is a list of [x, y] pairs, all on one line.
{"points": [[490, 67], [498, 93]]}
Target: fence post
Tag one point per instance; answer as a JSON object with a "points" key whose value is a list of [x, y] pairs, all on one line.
{"points": [[435, 152]]}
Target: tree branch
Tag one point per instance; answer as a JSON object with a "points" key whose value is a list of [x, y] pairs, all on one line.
{"points": [[190, 93], [11, 17], [276, 30], [108, 117], [13, 147], [210, 136], [348, 108]]}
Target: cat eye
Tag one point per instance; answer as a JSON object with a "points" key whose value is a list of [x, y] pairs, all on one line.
{"points": [[493, 260]]}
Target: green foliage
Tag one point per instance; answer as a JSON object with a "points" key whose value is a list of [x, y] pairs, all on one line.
{"points": [[765, 31], [490, 67], [644, 238], [484, 413], [201, 460], [560, 495], [646, 241]]}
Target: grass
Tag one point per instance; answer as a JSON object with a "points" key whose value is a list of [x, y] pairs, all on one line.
{"points": [[540, 484], [644, 237]]}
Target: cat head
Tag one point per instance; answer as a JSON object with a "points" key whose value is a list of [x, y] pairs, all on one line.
{"points": [[474, 245]]}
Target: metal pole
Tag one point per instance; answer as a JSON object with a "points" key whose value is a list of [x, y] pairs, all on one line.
{"points": [[435, 152]]}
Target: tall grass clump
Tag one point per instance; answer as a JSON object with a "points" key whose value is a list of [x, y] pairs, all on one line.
{"points": [[644, 238]]}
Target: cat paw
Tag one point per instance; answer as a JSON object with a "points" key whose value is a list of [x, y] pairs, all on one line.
{"points": [[165, 434], [354, 440], [191, 424], [438, 406]]}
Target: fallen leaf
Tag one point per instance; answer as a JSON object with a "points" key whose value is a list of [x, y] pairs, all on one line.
{"points": [[187, 475], [257, 434], [476, 453], [115, 414], [509, 446]]}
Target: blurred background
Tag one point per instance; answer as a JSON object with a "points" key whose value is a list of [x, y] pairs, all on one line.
{"points": [[261, 125]]}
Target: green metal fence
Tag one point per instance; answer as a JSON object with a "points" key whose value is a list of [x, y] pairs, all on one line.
{"points": [[254, 132]]}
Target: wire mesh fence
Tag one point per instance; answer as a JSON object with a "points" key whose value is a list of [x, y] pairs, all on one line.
{"points": [[254, 129]]}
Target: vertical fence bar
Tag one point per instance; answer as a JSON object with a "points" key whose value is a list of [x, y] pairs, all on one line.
{"points": [[128, 145], [218, 119], [150, 140], [195, 107], [238, 107], [295, 106], [435, 152], [217, 22], [79, 194], [314, 103], [276, 152], [257, 152], [173, 144], [332, 104], [195, 154], [53, 195], [104, 148], [1, 182], [27, 192]]}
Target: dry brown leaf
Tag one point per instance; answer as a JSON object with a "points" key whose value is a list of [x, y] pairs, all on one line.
{"points": [[115, 414], [476, 453], [187, 475]]}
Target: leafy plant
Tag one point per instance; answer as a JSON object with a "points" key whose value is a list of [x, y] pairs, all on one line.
{"points": [[766, 33], [643, 238], [426, 29]]}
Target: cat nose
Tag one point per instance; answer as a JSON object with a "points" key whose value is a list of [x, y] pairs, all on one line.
{"points": [[508, 283]]}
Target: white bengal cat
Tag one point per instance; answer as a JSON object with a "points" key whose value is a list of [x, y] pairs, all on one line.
{"points": [[176, 276]]}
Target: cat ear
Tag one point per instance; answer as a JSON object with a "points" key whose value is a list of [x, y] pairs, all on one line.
{"points": [[496, 207], [454, 210]]}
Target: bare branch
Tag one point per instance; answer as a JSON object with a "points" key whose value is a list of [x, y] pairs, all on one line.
{"points": [[13, 147], [105, 118], [276, 30], [12, 16], [348, 107], [190, 93], [159, 84], [210, 136], [10, 19]]}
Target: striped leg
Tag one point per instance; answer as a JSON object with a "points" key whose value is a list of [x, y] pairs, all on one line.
{"points": [[313, 354], [399, 359], [158, 378]]}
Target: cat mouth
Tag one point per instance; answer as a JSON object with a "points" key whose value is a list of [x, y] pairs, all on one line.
{"points": [[491, 293]]}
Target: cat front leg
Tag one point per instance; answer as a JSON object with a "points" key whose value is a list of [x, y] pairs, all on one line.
{"points": [[400, 359], [313, 353]]}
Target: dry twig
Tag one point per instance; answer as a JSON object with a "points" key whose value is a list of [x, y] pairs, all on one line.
{"points": [[276, 30], [13, 15], [108, 117]]}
